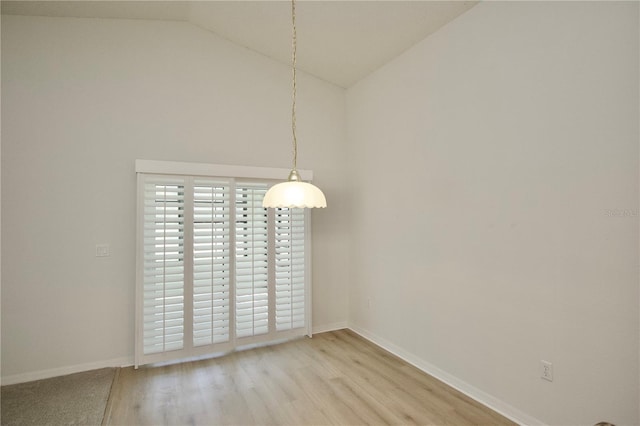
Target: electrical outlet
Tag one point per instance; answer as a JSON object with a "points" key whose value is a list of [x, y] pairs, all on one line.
{"points": [[546, 370]]}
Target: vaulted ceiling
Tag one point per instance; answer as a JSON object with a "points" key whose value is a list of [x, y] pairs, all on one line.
{"points": [[338, 41]]}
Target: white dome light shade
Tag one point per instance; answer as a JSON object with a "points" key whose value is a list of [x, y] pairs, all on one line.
{"points": [[294, 194]]}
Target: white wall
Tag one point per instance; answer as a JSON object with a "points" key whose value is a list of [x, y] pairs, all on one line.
{"points": [[511, 134], [495, 169], [81, 100]]}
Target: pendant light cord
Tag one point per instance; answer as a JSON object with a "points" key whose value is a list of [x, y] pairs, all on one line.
{"points": [[293, 101]]}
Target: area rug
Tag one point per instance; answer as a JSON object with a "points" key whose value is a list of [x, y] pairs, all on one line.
{"points": [[76, 399]]}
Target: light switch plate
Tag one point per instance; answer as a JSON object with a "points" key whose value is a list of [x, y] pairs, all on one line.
{"points": [[546, 370], [102, 250]]}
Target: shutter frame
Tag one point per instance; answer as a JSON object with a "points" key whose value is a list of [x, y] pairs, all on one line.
{"points": [[186, 261]]}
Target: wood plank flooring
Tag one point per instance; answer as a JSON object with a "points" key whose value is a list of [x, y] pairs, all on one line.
{"points": [[336, 378]]}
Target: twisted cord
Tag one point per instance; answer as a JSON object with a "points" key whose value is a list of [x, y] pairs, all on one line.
{"points": [[293, 100]]}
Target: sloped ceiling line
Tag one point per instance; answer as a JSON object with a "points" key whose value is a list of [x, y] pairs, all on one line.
{"points": [[339, 41]]}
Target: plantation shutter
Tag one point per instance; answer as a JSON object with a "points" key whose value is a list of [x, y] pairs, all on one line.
{"points": [[163, 311], [215, 270], [252, 290], [211, 262], [290, 268]]}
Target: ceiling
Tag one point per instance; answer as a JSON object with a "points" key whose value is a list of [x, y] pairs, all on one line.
{"points": [[338, 41]]}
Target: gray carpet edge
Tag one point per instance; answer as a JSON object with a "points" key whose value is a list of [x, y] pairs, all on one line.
{"points": [[74, 399]]}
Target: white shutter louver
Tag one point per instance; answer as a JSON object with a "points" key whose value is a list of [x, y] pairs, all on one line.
{"points": [[211, 262], [290, 268], [163, 282], [252, 290]]}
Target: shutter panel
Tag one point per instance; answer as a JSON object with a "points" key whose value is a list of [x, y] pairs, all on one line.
{"points": [[214, 268], [290, 268], [251, 236], [163, 278], [211, 262]]}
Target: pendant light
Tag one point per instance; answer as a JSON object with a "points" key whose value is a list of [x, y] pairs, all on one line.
{"points": [[294, 192]]}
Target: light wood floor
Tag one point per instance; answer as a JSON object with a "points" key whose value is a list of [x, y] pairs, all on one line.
{"points": [[334, 378]]}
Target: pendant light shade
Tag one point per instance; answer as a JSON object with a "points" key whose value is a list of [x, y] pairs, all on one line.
{"points": [[294, 193]]}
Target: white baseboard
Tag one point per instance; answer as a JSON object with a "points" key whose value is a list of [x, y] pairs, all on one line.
{"points": [[330, 327], [482, 397], [63, 371], [118, 362]]}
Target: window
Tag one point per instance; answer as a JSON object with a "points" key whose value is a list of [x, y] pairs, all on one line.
{"points": [[215, 270]]}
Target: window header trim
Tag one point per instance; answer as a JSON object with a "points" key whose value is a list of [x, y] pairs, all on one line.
{"points": [[217, 170]]}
